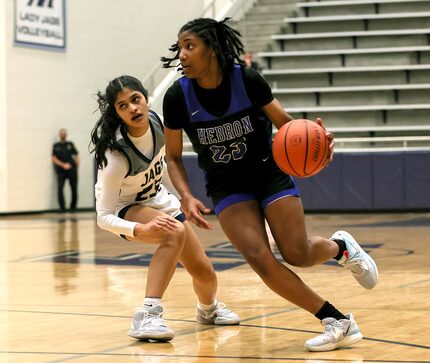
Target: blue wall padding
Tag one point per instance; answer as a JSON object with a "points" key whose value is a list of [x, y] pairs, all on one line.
{"points": [[417, 180], [355, 181], [388, 178]]}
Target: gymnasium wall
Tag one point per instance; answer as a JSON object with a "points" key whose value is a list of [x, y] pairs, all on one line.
{"points": [[365, 181], [42, 91], [3, 181]]}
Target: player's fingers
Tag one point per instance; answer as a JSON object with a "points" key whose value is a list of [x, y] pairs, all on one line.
{"points": [[331, 153], [167, 228], [199, 221], [171, 221], [166, 223], [202, 208], [319, 121]]}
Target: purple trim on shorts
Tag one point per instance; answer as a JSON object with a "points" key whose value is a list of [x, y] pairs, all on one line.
{"points": [[232, 199], [284, 193]]}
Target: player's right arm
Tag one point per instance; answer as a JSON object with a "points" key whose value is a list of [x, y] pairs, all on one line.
{"points": [[191, 206], [108, 188]]}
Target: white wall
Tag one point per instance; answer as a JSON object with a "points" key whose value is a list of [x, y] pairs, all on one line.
{"points": [[3, 165], [47, 90]]}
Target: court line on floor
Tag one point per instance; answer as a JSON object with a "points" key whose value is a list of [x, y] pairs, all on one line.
{"points": [[261, 358], [207, 327], [365, 338], [415, 283], [184, 332], [210, 327]]}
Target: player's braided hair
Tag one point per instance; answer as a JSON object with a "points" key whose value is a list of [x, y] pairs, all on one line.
{"points": [[219, 36], [103, 134]]}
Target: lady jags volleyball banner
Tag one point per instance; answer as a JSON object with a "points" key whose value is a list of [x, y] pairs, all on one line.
{"points": [[40, 23]]}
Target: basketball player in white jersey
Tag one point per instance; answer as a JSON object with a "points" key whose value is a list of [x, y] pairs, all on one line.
{"points": [[134, 203]]}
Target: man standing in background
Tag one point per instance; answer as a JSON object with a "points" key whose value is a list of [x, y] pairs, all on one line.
{"points": [[66, 161], [248, 58]]}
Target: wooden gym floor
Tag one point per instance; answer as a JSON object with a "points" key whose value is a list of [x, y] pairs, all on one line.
{"points": [[68, 290]]}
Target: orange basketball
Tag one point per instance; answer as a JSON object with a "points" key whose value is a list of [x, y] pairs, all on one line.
{"points": [[300, 148]]}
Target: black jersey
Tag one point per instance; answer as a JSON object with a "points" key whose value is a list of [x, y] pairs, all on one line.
{"points": [[230, 138], [64, 151]]}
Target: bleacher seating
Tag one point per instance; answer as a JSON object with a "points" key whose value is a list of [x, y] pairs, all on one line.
{"points": [[357, 64]]}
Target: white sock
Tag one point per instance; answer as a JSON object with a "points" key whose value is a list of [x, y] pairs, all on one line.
{"points": [[208, 307], [149, 302]]}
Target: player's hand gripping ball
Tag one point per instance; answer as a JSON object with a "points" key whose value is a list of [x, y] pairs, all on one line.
{"points": [[301, 148]]}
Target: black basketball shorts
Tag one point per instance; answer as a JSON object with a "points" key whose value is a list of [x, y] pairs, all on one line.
{"points": [[265, 184]]}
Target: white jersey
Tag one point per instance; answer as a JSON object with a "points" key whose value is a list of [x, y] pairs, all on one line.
{"points": [[136, 175]]}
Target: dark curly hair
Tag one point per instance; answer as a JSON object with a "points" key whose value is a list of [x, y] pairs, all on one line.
{"points": [[103, 134], [218, 35]]}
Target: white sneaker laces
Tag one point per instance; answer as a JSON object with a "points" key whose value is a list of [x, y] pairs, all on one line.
{"points": [[357, 265], [220, 310], [151, 319], [333, 329]]}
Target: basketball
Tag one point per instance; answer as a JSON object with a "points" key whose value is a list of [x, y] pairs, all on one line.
{"points": [[300, 148]]}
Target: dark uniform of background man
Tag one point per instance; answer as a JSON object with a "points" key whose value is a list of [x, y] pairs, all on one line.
{"points": [[66, 161]]}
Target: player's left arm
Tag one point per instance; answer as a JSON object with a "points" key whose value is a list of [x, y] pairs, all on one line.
{"points": [[261, 96], [276, 113], [330, 137], [167, 181]]}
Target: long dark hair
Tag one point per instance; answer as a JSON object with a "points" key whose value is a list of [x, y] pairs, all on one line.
{"points": [[218, 35], [103, 134]]}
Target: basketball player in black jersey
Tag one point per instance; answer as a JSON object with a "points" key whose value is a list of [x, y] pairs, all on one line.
{"points": [[227, 111]]}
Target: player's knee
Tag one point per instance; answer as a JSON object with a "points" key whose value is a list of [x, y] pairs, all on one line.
{"points": [[175, 238], [180, 230], [258, 258], [298, 257]]}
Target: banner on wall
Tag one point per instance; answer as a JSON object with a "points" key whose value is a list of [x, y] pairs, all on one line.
{"points": [[40, 23]]}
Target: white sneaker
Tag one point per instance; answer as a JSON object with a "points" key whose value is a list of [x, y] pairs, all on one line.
{"points": [[149, 325], [356, 260], [220, 315], [337, 333]]}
